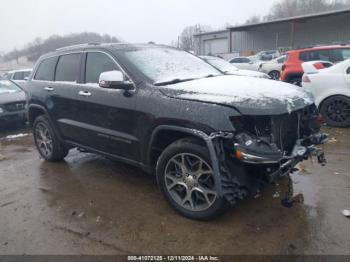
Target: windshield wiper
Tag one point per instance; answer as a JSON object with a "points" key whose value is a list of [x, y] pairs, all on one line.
{"points": [[173, 81]]}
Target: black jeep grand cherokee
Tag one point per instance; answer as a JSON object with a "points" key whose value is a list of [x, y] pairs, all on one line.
{"points": [[210, 138]]}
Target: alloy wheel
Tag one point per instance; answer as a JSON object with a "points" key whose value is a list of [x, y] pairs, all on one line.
{"points": [[190, 182], [43, 139], [338, 111], [274, 75]]}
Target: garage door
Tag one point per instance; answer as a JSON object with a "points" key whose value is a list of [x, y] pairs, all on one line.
{"points": [[216, 46]]}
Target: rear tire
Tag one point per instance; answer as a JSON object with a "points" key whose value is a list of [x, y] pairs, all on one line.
{"points": [[47, 142], [275, 75], [295, 81], [336, 111], [186, 179]]}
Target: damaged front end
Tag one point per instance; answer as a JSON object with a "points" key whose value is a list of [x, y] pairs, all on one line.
{"points": [[263, 148]]}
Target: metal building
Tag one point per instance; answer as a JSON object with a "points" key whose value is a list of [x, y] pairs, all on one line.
{"points": [[283, 34]]}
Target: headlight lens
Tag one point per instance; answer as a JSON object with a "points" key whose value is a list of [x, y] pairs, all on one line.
{"points": [[1, 110]]}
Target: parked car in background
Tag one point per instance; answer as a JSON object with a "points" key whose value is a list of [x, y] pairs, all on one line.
{"points": [[229, 69], [210, 138], [18, 76], [13, 103], [249, 63], [273, 68], [292, 70], [331, 89], [267, 55]]}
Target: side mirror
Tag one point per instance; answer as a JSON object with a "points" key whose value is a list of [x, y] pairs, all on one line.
{"points": [[114, 80], [26, 78]]}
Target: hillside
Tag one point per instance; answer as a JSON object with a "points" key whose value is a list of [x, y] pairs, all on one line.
{"points": [[26, 57]]}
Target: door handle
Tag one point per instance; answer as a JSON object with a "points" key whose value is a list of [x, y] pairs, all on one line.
{"points": [[84, 93], [49, 89]]}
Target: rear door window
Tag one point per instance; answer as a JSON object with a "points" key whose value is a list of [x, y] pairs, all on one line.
{"points": [[346, 54], [68, 68], [18, 76], [26, 74], [281, 60], [323, 55], [46, 70], [236, 60], [245, 60], [97, 63]]}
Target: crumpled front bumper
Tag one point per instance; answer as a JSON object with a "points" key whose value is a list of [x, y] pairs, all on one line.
{"points": [[303, 149]]}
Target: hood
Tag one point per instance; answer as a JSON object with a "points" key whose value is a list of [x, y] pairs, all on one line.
{"points": [[248, 95], [250, 73], [12, 97]]}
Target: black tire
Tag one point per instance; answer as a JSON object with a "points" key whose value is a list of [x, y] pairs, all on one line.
{"points": [[336, 111], [189, 148], [275, 75], [57, 150], [295, 81]]}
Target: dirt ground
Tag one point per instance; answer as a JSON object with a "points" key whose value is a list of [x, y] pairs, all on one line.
{"points": [[91, 205]]}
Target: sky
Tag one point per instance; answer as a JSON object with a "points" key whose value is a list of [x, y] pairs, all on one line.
{"points": [[137, 21]]}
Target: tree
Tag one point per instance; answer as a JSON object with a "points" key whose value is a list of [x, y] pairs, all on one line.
{"points": [[289, 8], [36, 48], [254, 19], [186, 39]]}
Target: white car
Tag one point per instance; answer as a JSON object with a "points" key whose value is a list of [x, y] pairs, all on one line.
{"points": [[18, 76], [250, 63], [274, 67], [229, 69], [331, 89]]}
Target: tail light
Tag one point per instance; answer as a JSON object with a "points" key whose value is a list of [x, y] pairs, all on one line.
{"points": [[306, 79], [283, 67]]}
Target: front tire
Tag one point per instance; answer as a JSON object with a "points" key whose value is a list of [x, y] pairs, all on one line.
{"points": [[186, 179], [336, 111], [47, 142]]}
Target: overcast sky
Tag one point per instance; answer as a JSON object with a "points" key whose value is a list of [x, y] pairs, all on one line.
{"points": [[132, 20]]}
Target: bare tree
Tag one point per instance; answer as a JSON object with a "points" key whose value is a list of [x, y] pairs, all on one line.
{"points": [[186, 39], [289, 8], [35, 49], [254, 19]]}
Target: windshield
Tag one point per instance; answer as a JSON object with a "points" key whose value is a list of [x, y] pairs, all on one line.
{"points": [[162, 64], [8, 87], [222, 65]]}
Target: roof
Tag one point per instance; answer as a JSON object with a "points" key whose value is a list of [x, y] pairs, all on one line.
{"points": [[114, 45], [319, 48], [212, 32], [209, 57], [289, 19], [110, 46], [19, 70]]}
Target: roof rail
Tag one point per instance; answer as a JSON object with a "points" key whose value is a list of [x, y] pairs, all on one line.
{"points": [[79, 45], [322, 45]]}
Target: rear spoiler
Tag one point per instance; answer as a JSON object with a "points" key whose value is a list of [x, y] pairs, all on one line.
{"points": [[313, 67]]}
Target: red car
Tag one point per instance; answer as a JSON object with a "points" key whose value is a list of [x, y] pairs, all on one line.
{"points": [[292, 71]]}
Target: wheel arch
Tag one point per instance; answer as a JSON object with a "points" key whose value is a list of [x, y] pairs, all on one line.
{"points": [[331, 96], [165, 135], [34, 111]]}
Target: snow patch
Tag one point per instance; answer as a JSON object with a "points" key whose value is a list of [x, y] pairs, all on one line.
{"points": [[234, 89], [10, 137]]}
